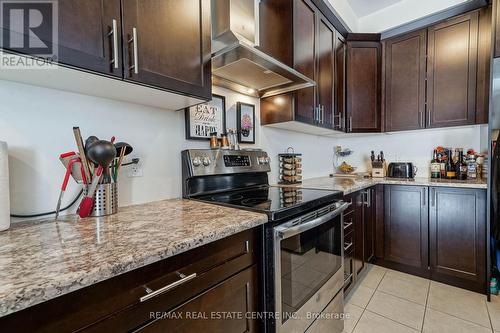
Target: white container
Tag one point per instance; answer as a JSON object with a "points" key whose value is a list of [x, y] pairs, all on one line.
{"points": [[4, 187]]}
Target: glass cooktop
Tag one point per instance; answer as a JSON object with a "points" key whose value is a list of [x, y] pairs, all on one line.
{"points": [[277, 202]]}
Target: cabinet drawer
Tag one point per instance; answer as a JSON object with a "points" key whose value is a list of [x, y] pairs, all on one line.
{"points": [[115, 305], [237, 294], [348, 270], [348, 242], [350, 199], [348, 222], [224, 259]]}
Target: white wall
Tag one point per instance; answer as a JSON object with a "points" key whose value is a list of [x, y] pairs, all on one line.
{"points": [[389, 17], [346, 14], [413, 146], [37, 123], [401, 13]]}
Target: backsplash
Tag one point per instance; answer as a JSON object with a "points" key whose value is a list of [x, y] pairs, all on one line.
{"points": [[413, 146], [158, 137]]}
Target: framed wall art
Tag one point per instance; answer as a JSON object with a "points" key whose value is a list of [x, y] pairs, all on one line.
{"points": [[203, 119], [245, 121]]}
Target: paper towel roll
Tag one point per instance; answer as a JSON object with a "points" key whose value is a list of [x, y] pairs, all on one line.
{"points": [[4, 187]]}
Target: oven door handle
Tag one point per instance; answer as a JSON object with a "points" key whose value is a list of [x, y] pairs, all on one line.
{"points": [[284, 231]]}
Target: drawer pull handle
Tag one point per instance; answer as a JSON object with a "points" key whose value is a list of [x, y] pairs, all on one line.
{"points": [[347, 225], [347, 246], [162, 290]]}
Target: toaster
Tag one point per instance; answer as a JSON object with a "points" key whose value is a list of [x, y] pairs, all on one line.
{"points": [[401, 170]]}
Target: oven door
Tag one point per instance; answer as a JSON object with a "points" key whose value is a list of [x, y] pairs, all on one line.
{"points": [[308, 257]]}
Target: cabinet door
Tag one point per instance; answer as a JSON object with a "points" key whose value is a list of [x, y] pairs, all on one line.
{"points": [[369, 223], [305, 58], [326, 72], [238, 294], [170, 48], [359, 233], [340, 83], [363, 86], [405, 66], [458, 236], [451, 71], [496, 18], [84, 35], [406, 225]]}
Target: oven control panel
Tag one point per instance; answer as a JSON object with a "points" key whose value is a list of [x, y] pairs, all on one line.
{"points": [[203, 162], [236, 161]]}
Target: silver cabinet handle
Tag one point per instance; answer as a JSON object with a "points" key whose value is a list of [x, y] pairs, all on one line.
{"points": [[424, 194], [350, 124], [114, 33], [322, 108], [133, 40], [429, 117], [162, 290], [368, 199], [421, 119], [340, 120], [433, 197]]}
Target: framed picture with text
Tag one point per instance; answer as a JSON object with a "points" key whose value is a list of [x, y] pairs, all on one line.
{"points": [[203, 119], [245, 122]]}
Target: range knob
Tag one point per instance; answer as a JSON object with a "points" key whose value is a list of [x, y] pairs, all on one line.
{"points": [[263, 160], [196, 161], [206, 161]]}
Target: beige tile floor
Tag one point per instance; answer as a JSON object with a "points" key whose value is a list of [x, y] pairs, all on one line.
{"points": [[386, 301]]}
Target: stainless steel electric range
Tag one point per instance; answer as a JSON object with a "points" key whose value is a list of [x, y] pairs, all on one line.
{"points": [[303, 273]]}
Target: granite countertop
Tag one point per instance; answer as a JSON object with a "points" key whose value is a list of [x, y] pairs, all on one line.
{"points": [[43, 259], [351, 184]]}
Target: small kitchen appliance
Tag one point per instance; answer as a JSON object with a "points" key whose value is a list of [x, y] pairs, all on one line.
{"points": [[404, 170], [304, 234]]}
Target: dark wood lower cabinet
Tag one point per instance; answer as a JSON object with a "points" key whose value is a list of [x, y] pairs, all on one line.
{"points": [[457, 236], [359, 235], [226, 280], [433, 232], [406, 226], [237, 295]]}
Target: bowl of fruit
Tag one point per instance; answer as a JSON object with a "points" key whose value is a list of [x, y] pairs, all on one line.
{"points": [[346, 168]]}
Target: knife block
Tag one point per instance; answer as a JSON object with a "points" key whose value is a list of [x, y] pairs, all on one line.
{"points": [[378, 169]]}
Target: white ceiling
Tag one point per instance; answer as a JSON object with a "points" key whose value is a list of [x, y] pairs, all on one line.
{"points": [[365, 7]]}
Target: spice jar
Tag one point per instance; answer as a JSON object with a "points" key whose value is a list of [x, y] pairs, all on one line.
{"points": [[224, 141], [214, 142]]}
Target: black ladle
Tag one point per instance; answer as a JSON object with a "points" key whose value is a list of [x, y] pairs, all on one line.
{"points": [[102, 152], [120, 145]]}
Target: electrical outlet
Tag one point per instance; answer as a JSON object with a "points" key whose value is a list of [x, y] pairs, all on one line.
{"points": [[135, 170]]}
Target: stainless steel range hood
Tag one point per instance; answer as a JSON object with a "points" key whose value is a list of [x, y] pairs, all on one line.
{"points": [[237, 64]]}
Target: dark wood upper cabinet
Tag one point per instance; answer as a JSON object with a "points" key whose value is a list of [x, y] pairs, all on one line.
{"points": [[458, 236], [406, 226], [167, 44], [86, 38], [326, 72], [311, 50], [451, 71], [363, 86], [340, 84], [405, 72], [496, 19], [304, 58]]}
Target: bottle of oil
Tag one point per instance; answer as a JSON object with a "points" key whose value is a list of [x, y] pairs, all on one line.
{"points": [[451, 172]]}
